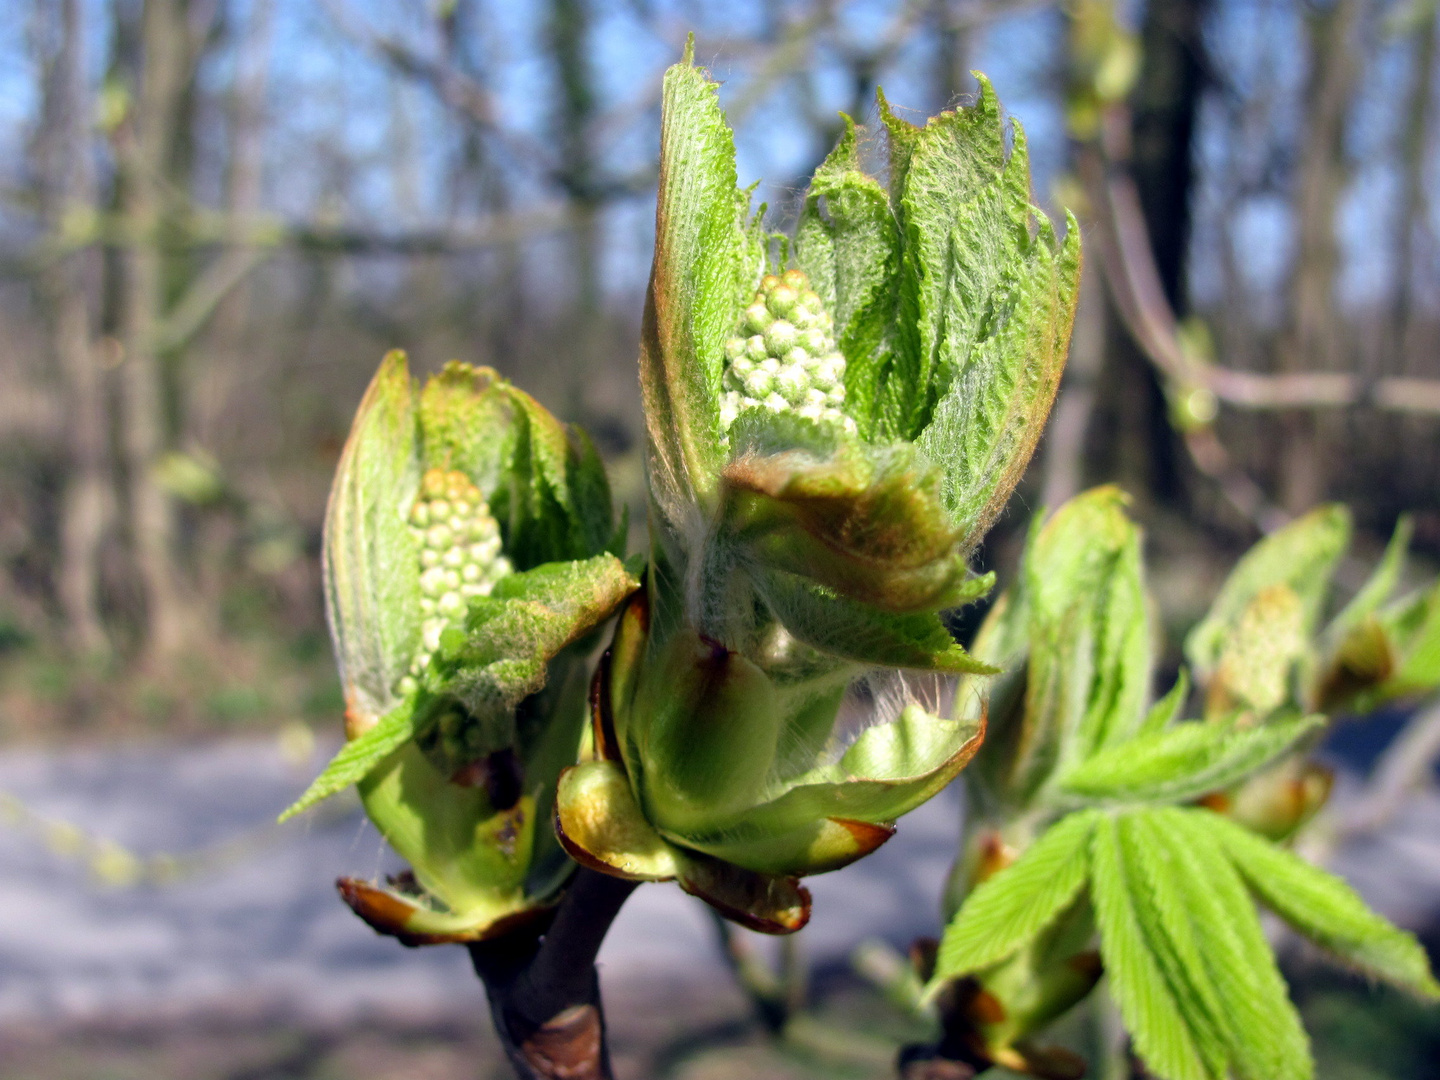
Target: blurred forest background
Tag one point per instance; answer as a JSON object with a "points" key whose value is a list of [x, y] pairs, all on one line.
{"points": [[216, 215]]}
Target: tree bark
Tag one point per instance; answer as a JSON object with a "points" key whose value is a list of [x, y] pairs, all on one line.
{"points": [[1313, 342], [545, 995], [1414, 156], [69, 187], [143, 148], [1164, 108]]}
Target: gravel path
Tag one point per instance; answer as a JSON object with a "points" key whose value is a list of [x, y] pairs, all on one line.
{"points": [[265, 929]]}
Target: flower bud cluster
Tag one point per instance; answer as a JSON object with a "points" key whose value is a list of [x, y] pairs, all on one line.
{"points": [[460, 556], [786, 359]]}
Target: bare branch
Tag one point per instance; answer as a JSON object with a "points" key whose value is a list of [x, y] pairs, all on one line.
{"points": [[1130, 269]]}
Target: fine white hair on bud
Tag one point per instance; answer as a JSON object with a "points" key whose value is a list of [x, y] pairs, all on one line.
{"points": [[460, 557], [783, 357]]}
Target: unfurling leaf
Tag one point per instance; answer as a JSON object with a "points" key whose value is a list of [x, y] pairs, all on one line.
{"points": [[1326, 910], [827, 442], [1167, 1036], [1301, 556], [1009, 910], [1183, 762]]}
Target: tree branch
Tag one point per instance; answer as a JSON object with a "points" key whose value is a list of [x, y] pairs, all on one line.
{"points": [[545, 995], [1129, 266]]}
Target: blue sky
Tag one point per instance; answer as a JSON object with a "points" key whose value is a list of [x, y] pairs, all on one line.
{"points": [[334, 111]]}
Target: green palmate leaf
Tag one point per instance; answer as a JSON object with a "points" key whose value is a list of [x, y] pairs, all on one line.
{"points": [[1325, 909], [1166, 1036], [1168, 710], [699, 280], [1301, 556], [848, 245], [1377, 589], [841, 627], [1009, 910], [1198, 916], [1088, 631], [373, 611], [358, 757], [1183, 762]]}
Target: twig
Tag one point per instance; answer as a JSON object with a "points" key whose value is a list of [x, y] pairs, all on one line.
{"points": [[205, 295], [1128, 260], [1135, 282], [545, 994]]}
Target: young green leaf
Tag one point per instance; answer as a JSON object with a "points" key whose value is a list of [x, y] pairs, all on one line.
{"points": [[499, 657], [1087, 628], [1324, 909], [1302, 555], [1263, 1030], [848, 244], [374, 613], [1009, 910], [1183, 762], [1165, 1034], [1377, 589], [698, 282], [1167, 711], [839, 626], [996, 307], [359, 756]]}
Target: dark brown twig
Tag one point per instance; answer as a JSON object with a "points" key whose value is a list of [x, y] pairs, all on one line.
{"points": [[544, 992]]}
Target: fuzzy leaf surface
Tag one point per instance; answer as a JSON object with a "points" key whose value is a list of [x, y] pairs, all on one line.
{"points": [[1166, 1038], [698, 283], [865, 520], [1302, 556], [372, 610], [1183, 762], [841, 627], [499, 657], [994, 293], [358, 757], [1008, 911], [1325, 909], [848, 245]]}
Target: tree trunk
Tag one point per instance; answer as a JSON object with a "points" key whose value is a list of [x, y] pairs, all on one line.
{"points": [[143, 150], [69, 187], [1313, 342], [1414, 156], [1164, 107]]}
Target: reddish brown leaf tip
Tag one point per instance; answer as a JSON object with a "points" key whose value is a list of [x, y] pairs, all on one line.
{"points": [[388, 914], [867, 834], [584, 857]]}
